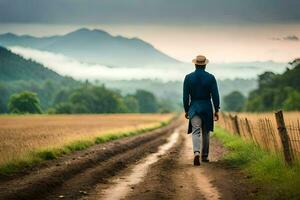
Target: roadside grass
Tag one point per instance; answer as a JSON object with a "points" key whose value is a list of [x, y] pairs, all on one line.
{"points": [[266, 169], [37, 156]]}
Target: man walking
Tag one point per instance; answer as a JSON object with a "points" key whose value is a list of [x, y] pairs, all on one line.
{"points": [[199, 88]]}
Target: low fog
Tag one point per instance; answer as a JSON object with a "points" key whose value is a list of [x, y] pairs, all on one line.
{"points": [[69, 66]]}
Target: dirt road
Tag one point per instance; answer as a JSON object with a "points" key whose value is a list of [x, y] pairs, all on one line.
{"points": [[155, 165]]}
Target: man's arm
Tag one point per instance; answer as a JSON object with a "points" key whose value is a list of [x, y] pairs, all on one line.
{"points": [[186, 95], [215, 97]]}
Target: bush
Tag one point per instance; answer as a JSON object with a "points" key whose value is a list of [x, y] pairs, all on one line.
{"points": [[24, 102]]}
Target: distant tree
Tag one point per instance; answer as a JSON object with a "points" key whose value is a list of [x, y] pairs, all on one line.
{"points": [[81, 108], [3, 98], [266, 79], [97, 99], [166, 106], [234, 101], [147, 101], [276, 91], [254, 104], [90, 99], [24, 102], [83, 101], [48, 92], [61, 96], [131, 103], [63, 108], [108, 101], [293, 101]]}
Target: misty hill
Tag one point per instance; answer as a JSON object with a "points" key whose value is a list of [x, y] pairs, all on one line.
{"points": [[18, 74], [15, 68], [59, 94], [96, 46]]}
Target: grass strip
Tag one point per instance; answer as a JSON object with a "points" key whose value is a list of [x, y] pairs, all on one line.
{"points": [[40, 155], [266, 169]]}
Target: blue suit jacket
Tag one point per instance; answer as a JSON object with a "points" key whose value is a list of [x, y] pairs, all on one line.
{"points": [[199, 88]]}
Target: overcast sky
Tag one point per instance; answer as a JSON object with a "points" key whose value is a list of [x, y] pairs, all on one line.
{"points": [[224, 30], [149, 11]]}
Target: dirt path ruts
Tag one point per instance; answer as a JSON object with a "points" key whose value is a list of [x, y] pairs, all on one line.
{"points": [[119, 186], [76, 173], [171, 175], [174, 177]]}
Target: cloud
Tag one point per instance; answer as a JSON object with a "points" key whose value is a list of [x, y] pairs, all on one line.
{"points": [[293, 38], [146, 11], [68, 66]]}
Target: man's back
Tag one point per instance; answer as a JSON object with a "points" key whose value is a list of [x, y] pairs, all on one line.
{"points": [[200, 84], [198, 89]]}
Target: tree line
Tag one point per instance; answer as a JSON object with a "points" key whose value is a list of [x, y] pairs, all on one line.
{"points": [[275, 91], [87, 98]]}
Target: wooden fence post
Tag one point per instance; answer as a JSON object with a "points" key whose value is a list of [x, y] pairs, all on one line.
{"points": [[248, 127], [236, 125], [285, 140]]}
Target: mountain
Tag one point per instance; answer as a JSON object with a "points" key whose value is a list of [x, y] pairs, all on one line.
{"points": [[15, 68], [96, 46]]}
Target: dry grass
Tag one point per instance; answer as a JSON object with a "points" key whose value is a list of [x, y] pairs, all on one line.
{"points": [[262, 129], [20, 135], [289, 117]]}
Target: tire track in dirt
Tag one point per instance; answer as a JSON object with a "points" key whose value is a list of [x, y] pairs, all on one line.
{"points": [[81, 184], [122, 185], [73, 175], [175, 177]]}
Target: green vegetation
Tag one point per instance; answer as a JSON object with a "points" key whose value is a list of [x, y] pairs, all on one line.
{"points": [[15, 68], [265, 169], [24, 102], [40, 155], [59, 94], [146, 101], [99, 99], [234, 101], [18, 75], [277, 91], [90, 99]]}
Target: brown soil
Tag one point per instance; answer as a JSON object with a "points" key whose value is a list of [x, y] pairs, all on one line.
{"points": [[175, 177], [86, 174]]}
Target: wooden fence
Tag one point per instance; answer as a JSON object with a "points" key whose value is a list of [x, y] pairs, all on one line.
{"points": [[269, 131]]}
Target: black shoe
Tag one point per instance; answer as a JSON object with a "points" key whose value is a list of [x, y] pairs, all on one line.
{"points": [[205, 159], [197, 160]]}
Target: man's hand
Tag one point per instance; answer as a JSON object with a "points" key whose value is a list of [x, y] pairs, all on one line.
{"points": [[216, 116], [186, 115]]}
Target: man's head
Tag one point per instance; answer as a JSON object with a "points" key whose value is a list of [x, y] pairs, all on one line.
{"points": [[200, 62]]}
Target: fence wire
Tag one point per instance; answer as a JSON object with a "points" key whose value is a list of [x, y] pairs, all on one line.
{"points": [[262, 129]]}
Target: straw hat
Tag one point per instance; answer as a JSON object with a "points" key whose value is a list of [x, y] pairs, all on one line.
{"points": [[200, 60]]}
